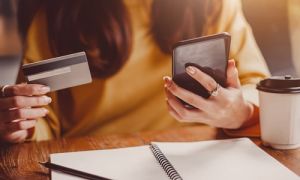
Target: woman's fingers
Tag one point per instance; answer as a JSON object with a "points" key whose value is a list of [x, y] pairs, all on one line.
{"points": [[209, 83], [15, 122], [173, 112], [217, 111], [23, 101], [24, 113], [179, 112], [205, 80], [174, 102], [185, 95], [19, 125], [17, 110], [26, 90], [16, 137], [232, 75]]}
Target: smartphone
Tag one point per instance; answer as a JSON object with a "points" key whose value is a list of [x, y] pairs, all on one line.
{"points": [[209, 54]]}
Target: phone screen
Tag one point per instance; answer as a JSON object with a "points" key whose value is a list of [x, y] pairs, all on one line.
{"points": [[209, 54]]}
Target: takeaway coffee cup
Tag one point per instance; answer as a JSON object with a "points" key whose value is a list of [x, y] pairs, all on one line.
{"points": [[279, 99]]}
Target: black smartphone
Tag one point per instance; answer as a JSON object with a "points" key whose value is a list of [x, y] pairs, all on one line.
{"points": [[210, 54]]}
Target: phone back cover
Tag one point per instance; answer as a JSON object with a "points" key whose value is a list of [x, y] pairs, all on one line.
{"points": [[209, 56]]}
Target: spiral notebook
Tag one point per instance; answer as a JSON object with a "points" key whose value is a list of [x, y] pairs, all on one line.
{"points": [[213, 160]]}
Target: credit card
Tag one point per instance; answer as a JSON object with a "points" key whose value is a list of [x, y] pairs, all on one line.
{"points": [[60, 72]]}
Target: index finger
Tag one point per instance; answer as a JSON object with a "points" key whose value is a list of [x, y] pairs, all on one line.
{"points": [[187, 96], [24, 101], [204, 79], [26, 90]]}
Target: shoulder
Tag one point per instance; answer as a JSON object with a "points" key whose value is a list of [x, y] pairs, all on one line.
{"points": [[222, 14]]}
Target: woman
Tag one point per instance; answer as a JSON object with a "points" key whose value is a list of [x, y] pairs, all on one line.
{"points": [[128, 44]]}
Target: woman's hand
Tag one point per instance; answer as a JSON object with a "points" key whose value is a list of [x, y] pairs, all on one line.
{"points": [[20, 106], [228, 109]]}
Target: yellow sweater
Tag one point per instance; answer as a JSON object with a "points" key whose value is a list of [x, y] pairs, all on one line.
{"points": [[133, 99]]}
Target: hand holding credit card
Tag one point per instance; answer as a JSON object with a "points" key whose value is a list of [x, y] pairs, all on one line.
{"points": [[60, 72]]}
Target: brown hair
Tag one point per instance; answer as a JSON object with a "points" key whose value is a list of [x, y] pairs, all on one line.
{"points": [[104, 26]]}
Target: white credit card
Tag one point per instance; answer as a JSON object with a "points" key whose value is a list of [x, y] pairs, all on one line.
{"points": [[60, 72]]}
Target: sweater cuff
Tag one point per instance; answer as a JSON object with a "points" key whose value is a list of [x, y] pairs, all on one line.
{"points": [[250, 129]]}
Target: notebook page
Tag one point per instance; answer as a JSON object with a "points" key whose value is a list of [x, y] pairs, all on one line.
{"points": [[224, 159], [120, 164]]}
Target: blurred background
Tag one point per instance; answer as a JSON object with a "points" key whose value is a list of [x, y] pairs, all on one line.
{"points": [[10, 43], [275, 23], [9, 39], [276, 27]]}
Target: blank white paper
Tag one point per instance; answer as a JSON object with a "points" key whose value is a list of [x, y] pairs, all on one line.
{"points": [[210, 160]]}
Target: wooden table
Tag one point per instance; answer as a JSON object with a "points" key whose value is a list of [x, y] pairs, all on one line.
{"points": [[21, 161]]}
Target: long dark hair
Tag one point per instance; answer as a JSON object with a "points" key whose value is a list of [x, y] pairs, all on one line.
{"points": [[104, 27], [76, 25]]}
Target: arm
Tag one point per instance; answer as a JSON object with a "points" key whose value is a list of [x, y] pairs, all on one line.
{"points": [[249, 60], [250, 63], [236, 106]]}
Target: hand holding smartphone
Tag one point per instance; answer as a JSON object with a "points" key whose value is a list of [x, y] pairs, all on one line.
{"points": [[209, 54]]}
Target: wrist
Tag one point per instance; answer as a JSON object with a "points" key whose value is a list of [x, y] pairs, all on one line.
{"points": [[249, 114]]}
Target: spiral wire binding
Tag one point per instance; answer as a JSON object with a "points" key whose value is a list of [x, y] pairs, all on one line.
{"points": [[165, 163]]}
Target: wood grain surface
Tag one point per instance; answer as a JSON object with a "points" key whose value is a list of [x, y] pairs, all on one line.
{"points": [[21, 161]]}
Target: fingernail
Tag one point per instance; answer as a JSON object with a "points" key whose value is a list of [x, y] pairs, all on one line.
{"points": [[48, 99], [166, 78], [46, 111], [191, 70], [45, 89], [232, 61], [168, 81]]}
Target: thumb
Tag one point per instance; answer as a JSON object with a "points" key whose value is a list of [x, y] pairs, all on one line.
{"points": [[232, 75]]}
